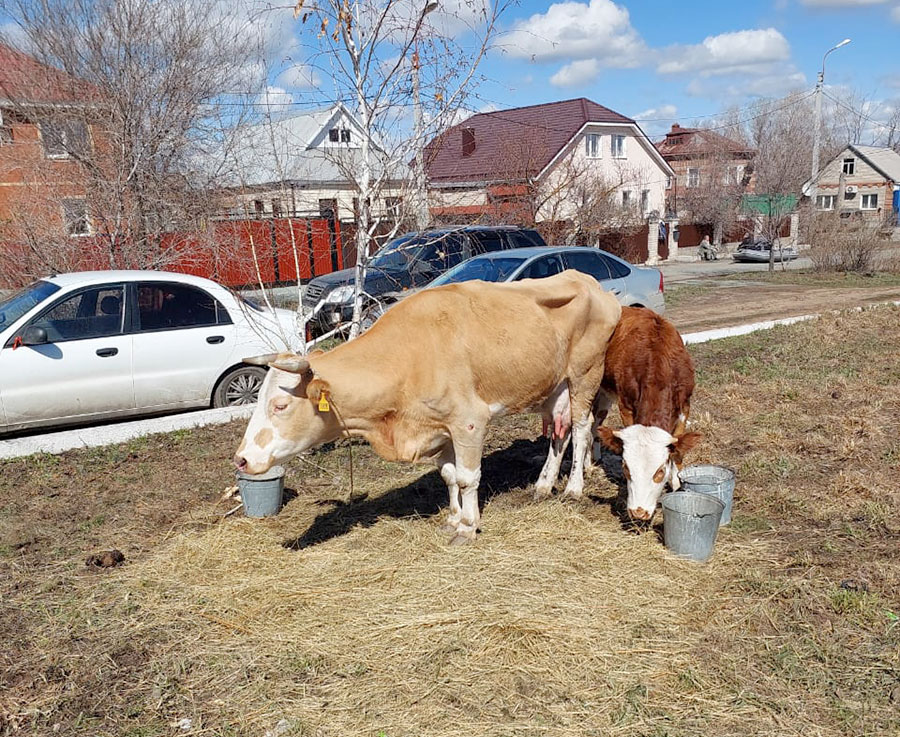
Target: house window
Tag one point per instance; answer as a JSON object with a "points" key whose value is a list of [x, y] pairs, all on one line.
{"points": [[63, 138], [334, 135], [393, 205], [849, 166], [825, 202], [735, 175], [617, 146], [276, 208], [5, 129], [869, 202], [345, 135], [645, 200], [592, 146], [668, 182], [259, 207], [693, 178], [75, 218], [339, 135], [626, 198], [328, 209]]}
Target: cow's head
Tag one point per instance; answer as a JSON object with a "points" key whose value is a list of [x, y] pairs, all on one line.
{"points": [[650, 458], [287, 419]]}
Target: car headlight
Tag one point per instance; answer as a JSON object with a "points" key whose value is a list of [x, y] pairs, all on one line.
{"points": [[339, 295]]}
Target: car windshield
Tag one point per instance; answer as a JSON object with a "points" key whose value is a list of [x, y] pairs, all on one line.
{"points": [[13, 307], [485, 269], [398, 253]]}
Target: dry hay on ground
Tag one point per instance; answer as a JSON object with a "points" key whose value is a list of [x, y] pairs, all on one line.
{"points": [[335, 619]]}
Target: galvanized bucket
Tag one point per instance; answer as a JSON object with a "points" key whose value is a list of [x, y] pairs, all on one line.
{"points": [[262, 494], [691, 523], [717, 481]]}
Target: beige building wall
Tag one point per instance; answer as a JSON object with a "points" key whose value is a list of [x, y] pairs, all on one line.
{"points": [[865, 180]]}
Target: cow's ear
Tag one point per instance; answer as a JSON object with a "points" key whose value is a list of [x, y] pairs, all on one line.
{"points": [[316, 389], [610, 439], [682, 445]]}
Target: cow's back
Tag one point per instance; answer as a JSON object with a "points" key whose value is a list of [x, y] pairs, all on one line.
{"points": [[649, 369]]}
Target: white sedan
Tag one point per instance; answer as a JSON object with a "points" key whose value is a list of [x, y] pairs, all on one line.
{"points": [[101, 344]]}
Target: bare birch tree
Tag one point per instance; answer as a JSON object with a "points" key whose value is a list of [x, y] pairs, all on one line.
{"points": [[375, 54]]}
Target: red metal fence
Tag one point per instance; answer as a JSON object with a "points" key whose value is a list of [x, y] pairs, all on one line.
{"points": [[233, 252]]}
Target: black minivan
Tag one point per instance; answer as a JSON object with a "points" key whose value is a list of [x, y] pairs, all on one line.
{"points": [[408, 262]]}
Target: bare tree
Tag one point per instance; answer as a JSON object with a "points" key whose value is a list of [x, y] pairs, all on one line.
{"points": [[143, 83], [374, 53]]}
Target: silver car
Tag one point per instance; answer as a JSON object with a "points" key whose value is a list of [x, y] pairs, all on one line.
{"points": [[635, 286]]}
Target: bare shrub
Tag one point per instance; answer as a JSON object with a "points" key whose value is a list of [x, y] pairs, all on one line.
{"points": [[846, 245]]}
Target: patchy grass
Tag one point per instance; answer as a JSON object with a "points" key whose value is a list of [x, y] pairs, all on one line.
{"points": [[336, 618], [798, 277]]}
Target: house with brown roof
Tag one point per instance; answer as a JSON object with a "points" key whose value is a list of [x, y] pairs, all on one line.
{"points": [[42, 184], [536, 163]]}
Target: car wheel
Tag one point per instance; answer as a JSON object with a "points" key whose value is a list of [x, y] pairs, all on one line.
{"points": [[370, 314], [239, 387]]}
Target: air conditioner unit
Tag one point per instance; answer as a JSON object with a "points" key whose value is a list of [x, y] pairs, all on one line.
{"points": [[850, 189]]}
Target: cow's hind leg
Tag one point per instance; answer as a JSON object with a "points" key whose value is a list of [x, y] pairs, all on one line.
{"points": [[581, 444], [602, 404], [560, 414]]}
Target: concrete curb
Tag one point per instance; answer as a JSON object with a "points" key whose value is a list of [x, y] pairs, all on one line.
{"points": [[91, 437]]}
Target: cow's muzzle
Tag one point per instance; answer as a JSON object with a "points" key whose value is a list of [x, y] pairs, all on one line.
{"points": [[240, 463], [640, 514]]}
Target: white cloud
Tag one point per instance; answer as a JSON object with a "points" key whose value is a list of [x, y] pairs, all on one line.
{"points": [[728, 53], [299, 76], [600, 30], [275, 99], [577, 73], [767, 85], [663, 112], [895, 14]]}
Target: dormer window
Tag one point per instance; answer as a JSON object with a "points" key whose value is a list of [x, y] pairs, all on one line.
{"points": [[849, 166]]}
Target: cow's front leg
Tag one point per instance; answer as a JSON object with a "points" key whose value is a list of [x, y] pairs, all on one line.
{"points": [[447, 464], [581, 445], [468, 443], [602, 404]]}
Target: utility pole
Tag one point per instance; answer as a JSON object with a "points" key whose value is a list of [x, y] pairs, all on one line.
{"points": [[817, 133], [423, 217]]}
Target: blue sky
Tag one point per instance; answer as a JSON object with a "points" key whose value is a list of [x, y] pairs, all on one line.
{"points": [[681, 60]]}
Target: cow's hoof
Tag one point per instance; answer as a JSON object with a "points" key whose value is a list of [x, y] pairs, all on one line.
{"points": [[542, 492], [570, 494], [448, 527], [461, 538]]}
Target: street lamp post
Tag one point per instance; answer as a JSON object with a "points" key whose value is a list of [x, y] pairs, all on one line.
{"points": [[817, 133], [422, 214]]}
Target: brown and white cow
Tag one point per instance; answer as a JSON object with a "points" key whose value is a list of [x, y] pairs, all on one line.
{"points": [[650, 372], [424, 382]]}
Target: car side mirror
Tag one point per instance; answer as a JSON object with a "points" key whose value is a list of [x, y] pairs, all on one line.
{"points": [[35, 335]]}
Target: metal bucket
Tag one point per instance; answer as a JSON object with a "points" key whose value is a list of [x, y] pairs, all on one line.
{"points": [[717, 481], [262, 494], [691, 523]]}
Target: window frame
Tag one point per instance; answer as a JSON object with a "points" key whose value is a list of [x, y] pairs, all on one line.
{"points": [[593, 145], [334, 135], [134, 319], [595, 256], [869, 196], [124, 323], [67, 221], [692, 180], [823, 198], [618, 152], [64, 126], [852, 166], [554, 257]]}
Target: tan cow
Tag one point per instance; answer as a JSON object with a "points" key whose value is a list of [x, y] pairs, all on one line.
{"points": [[424, 382]]}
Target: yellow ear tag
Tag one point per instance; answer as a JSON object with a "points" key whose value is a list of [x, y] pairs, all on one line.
{"points": [[323, 404]]}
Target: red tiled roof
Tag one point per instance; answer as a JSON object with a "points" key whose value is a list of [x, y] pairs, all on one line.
{"points": [[536, 132], [687, 142], [25, 79]]}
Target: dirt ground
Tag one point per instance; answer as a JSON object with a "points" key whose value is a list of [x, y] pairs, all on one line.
{"points": [[726, 302], [338, 618]]}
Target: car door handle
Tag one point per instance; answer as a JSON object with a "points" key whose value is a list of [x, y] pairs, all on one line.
{"points": [[106, 352], [213, 339]]}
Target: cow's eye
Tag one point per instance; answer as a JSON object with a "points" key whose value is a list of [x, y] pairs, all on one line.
{"points": [[280, 406], [659, 475], [626, 471]]}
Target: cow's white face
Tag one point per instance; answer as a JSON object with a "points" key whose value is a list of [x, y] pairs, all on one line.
{"points": [[651, 458], [286, 420]]}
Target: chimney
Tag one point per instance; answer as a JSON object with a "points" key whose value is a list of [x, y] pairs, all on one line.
{"points": [[468, 141], [676, 128]]}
